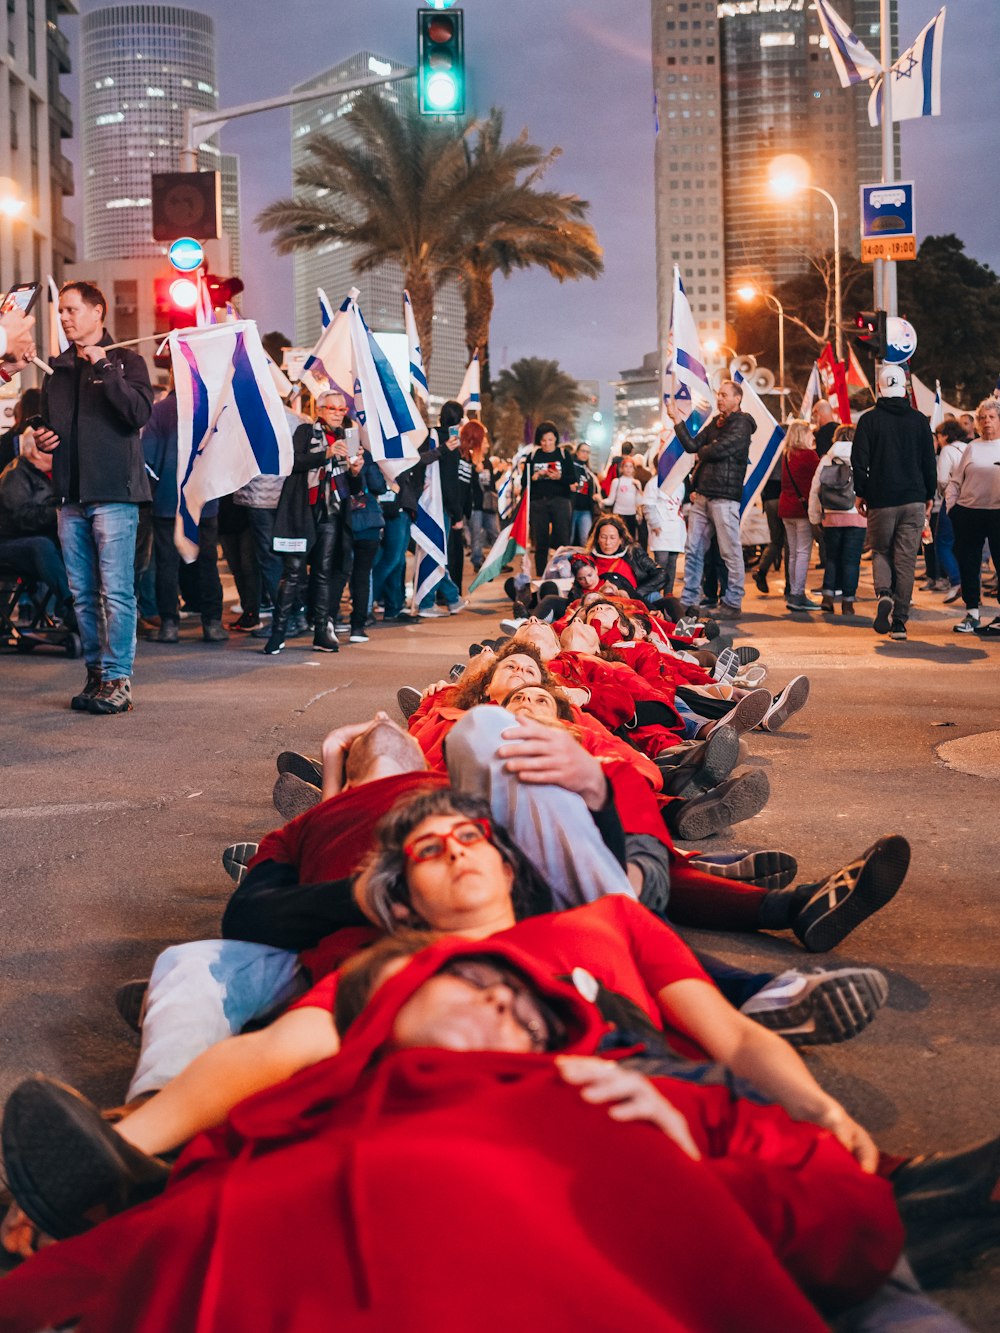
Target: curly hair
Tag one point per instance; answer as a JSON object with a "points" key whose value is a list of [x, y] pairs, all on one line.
{"points": [[382, 884], [609, 520], [474, 691]]}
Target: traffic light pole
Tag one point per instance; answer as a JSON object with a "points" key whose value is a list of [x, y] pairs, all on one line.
{"points": [[201, 125], [886, 298]]}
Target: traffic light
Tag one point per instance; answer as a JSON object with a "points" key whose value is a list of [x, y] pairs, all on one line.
{"points": [[176, 298], [440, 62], [869, 328], [222, 290]]}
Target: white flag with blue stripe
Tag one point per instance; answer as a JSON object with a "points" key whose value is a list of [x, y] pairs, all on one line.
{"points": [[391, 425], [231, 424], [852, 60], [813, 393], [330, 364], [325, 308], [685, 379], [916, 77], [418, 376], [765, 443], [429, 537], [468, 394]]}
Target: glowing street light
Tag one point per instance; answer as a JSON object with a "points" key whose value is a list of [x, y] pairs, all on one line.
{"points": [[787, 176], [747, 293], [10, 205]]}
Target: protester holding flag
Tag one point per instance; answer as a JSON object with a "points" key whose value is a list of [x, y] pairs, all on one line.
{"points": [[723, 450], [95, 403], [550, 472]]}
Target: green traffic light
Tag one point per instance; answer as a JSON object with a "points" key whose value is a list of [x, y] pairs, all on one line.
{"points": [[443, 92]]}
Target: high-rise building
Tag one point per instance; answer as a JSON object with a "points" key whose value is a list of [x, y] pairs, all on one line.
{"points": [[333, 266], [35, 237], [738, 83], [143, 65]]}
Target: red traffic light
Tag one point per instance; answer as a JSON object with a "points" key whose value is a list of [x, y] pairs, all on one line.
{"points": [[221, 291], [184, 293]]}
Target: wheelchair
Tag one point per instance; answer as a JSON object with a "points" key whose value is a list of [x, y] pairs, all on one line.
{"points": [[39, 628]]}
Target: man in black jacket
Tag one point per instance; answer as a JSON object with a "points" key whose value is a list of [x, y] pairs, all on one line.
{"points": [[723, 447], [895, 481], [94, 405]]}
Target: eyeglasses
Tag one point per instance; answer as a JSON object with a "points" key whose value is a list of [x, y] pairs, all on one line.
{"points": [[432, 846], [524, 1008]]}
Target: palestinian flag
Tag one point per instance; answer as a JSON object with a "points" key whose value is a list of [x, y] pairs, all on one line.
{"points": [[513, 540]]}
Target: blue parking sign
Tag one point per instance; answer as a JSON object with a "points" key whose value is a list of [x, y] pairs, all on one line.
{"points": [[887, 210]]}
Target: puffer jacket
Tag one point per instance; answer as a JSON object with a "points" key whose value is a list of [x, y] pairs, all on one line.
{"points": [[27, 501], [723, 448]]}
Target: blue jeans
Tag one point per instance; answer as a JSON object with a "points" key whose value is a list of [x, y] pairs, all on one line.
{"points": [[708, 518], [800, 540], [447, 588], [843, 561], [484, 529], [389, 570], [583, 521], [944, 545], [98, 546], [37, 558]]}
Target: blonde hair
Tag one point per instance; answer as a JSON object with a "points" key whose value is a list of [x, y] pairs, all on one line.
{"points": [[799, 435]]}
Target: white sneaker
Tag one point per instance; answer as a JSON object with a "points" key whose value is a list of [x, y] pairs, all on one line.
{"points": [[358, 637], [969, 625], [455, 607], [430, 613], [513, 625]]}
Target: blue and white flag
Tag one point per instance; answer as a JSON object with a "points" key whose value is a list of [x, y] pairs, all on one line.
{"points": [[418, 376], [916, 77], [325, 308], [765, 443], [468, 394], [204, 311], [429, 536], [507, 491], [813, 393], [685, 379], [231, 424], [852, 60], [937, 411], [391, 426], [58, 342], [330, 364]]}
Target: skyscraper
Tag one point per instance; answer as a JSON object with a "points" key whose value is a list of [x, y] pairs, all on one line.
{"points": [[143, 65], [333, 266], [35, 239], [738, 83]]}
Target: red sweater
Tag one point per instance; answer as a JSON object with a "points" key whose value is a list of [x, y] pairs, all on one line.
{"points": [[797, 469]]}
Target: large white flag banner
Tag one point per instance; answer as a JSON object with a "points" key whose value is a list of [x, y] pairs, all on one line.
{"points": [[418, 376], [330, 364], [428, 536], [231, 424], [765, 443], [468, 394], [388, 416], [813, 393], [916, 77], [852, 60], [684, 379]]}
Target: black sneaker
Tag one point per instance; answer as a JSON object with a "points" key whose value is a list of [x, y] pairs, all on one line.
{"points": [[737, 799], [130, 1001], [787, 702], [852, 894], [883, 616], [236, 859], [898, 631], [766, 869], [704, 767], [293, 797], [114, 696], [80, 703], [408, 698], [309, 770], [274, 645], [819, 1008], [247, 623]]}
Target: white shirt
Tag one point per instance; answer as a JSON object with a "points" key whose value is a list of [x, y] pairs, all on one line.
{"points": [[624, 496], [667, 530]]}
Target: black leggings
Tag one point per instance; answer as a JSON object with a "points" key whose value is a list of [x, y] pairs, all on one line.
{"points": [[972, 528]]}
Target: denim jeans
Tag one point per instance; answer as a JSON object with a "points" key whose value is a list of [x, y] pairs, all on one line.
{"points": [[484, 529], [800, 540], [446, 588], [944, 545], [37, 558], [389, 569], [843, 561], [98, 546], [895, 540], [708, 518], [583, 521]]}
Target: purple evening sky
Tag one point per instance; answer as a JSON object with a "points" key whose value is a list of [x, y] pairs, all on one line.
{"points": [[576, 73]]}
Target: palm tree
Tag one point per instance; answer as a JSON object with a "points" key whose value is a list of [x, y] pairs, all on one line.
{"points": [[541, 392], [401, 191]]}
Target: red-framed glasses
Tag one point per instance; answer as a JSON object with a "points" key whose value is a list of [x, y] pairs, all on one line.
{"points": [[432, 846]]}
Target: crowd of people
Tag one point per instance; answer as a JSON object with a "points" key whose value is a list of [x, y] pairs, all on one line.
{"points": [[451, 1054]]}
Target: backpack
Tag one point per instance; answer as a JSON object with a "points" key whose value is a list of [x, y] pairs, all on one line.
{"points": [[836, 485]]}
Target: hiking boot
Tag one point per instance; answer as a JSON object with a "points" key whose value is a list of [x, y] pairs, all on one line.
{"points": [[324, 637], [214, 631], [704, 766], [80, 703], [850, 895], [818, 1008], [847, 608], [114, 696], [169, 632]]}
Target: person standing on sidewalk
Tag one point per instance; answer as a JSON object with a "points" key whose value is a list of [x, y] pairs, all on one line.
{"points": [[552, 473], [94, 404], [831, 504], [586, 490], [973, 499], [723, 447], [798, 464], [895, 480]]}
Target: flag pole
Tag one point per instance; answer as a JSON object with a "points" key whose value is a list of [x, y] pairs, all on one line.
{"points": [[888, 293]]}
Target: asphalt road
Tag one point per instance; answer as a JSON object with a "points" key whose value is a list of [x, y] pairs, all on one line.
{"points": [[112, 830]]}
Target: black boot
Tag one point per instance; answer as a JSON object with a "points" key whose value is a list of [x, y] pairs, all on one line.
{"points": [[324, 638], [282, 612]]}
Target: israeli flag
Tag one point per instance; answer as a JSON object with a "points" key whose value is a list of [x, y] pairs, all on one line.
{"points": [[916, 78], [325, 308], [507, 490], [813, 393], [231, 424], [684, 379], [468, 394], [853, 61], [765, 443], [418, 376], [428, 536], [391, 425], [58, 342], [330, 364]]}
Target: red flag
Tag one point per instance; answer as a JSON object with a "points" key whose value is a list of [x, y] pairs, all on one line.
{"points": [[834, 376], [856, 377]]}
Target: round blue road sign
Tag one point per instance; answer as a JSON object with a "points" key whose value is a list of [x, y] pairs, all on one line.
{"points": [[186, 254]]}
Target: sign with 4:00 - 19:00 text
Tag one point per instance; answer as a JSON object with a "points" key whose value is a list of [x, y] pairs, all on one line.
{"points": [[888, 230]]}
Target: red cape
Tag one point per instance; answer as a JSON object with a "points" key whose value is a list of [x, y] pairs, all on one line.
{"points": [[436, 1190]]}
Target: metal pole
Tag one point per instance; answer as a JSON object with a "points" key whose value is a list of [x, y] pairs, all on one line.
{"points": [[837, 312], [214, 120], [888, 302], [781, 356]]}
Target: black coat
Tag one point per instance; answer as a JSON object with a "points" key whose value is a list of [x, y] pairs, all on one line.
{"points": [[27, 501], [294, 520], [456, 474], [722, 452], [893, 456], [115, 403]]}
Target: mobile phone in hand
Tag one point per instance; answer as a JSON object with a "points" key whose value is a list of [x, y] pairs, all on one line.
{"points": [[352, 439], [22, 297]]}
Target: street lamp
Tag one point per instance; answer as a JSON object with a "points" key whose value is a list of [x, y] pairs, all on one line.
{"points": [[748, 292], [10, 205], [786, 180]]}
